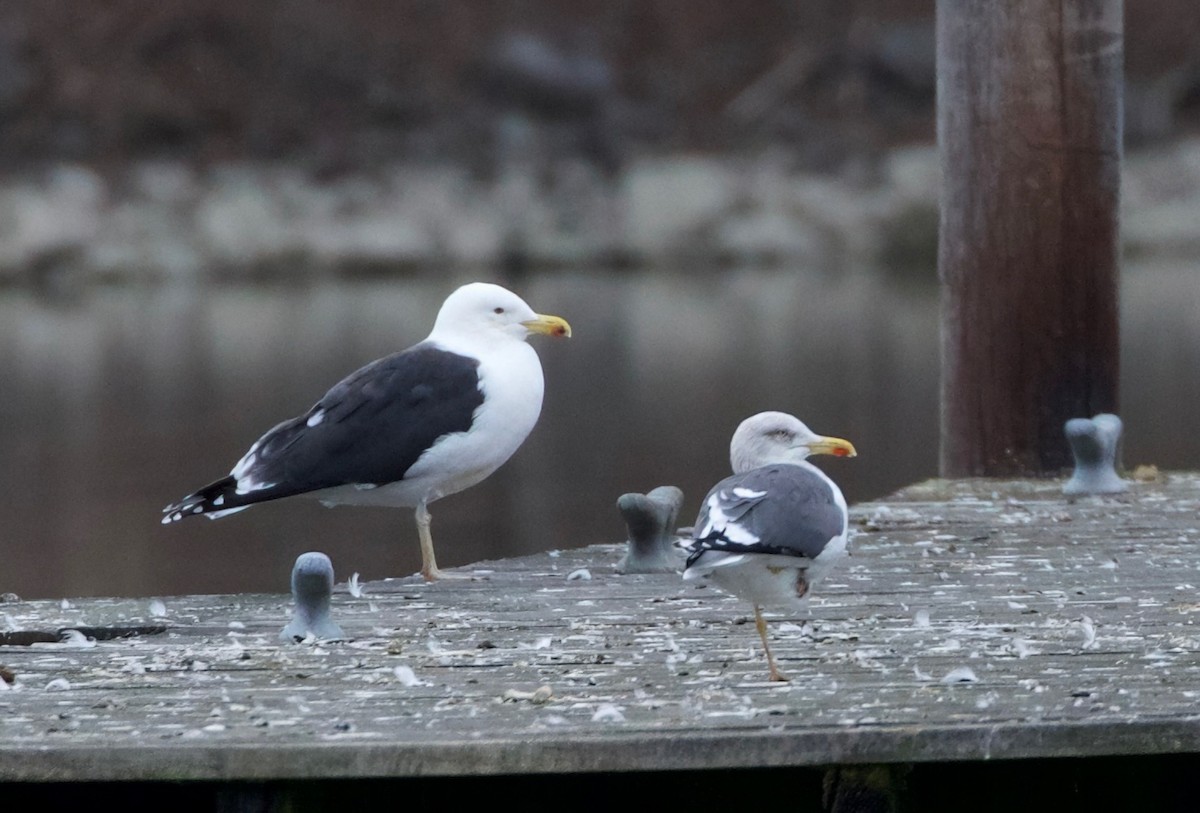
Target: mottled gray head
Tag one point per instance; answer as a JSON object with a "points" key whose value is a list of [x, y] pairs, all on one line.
{"points": [[776, 437]]}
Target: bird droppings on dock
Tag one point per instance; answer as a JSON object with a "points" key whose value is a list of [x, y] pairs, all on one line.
{"points": [[472, 676]]}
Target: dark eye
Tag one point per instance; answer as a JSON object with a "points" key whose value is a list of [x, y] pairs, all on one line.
{"points": [[498, 310]]}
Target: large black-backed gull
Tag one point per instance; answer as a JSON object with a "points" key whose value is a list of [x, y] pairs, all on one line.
{"points": [[409, 428], [774, 529]]}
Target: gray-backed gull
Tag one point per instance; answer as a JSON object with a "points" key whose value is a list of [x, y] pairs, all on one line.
{"points": [[775, 527]]}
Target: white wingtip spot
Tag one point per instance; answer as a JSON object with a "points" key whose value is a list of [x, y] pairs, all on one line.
{"points": [[748, 494], [246, 463], [219, 500], [733, 532], [246, 485], [316, 418]]}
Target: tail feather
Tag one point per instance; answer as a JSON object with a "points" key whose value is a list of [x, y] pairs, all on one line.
{"points": [[214, 500]]}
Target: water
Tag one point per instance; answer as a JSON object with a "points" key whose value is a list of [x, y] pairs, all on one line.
{"points": [[115, 405]]}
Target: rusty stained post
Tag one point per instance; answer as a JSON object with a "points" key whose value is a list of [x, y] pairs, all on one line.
{"points": [[1029, 131]]}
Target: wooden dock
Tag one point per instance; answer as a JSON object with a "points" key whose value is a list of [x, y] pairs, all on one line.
{"points": [[975, 620]]}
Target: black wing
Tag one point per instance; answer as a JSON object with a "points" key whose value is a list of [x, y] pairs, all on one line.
{"points": [[369, 428]]}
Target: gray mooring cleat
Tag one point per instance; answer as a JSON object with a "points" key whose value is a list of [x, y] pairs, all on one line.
{"points": [[312, 586], [650, 520], [1096, 443]]}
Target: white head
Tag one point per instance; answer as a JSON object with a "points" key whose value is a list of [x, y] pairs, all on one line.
{"points": [[776, 437], [483, 308]]}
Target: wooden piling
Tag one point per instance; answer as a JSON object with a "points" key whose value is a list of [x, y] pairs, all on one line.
{"points": [[1029, 128]]}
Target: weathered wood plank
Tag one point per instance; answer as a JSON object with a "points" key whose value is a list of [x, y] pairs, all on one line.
{"points": [[1077, 621]]}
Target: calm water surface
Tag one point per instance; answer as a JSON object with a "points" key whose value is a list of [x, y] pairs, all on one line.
{"points": [[126, 400]]}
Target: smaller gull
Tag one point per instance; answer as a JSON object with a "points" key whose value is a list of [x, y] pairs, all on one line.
{"points": [[771, 531], [408, 429]]}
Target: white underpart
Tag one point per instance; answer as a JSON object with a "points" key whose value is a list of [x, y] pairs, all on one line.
{"points": [[836, 547], [766, 580]]}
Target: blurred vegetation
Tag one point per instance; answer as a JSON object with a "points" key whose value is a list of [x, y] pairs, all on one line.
{"points": [[345, 85], [909, 244]]}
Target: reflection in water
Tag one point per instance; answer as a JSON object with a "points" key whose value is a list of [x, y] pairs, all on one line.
{"points": [[112, 409]]}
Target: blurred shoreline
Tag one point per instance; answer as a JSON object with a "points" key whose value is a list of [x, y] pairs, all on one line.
{"points": [[65, 225]]}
